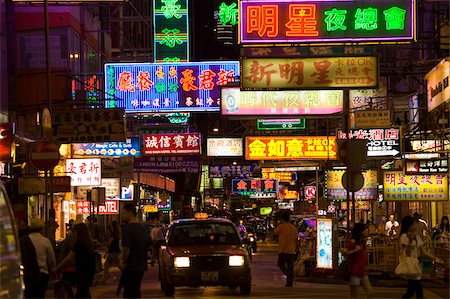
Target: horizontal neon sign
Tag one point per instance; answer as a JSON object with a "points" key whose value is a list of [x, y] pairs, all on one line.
{"points": [[300, 21], [168, 87]]}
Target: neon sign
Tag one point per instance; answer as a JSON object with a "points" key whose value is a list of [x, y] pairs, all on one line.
{"points": [[228, 14], [168, 87], [302, 21], [171, 35]]}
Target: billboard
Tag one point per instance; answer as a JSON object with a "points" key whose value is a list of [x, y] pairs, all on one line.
{"points": [[336, 191], [438, 91], [324, 248], [84, 172], [402, 187], [130, 148], [281, 102], [309, 73], [168, 87], [224, 147], [290, 148], [301, 21], [428, 166], [172, 144]]}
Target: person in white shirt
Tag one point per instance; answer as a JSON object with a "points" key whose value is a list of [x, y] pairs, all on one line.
{"points": [[45, 259], [157, 236], [391, 226]]}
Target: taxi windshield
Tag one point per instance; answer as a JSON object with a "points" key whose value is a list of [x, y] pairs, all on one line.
{"points": [[204, 233]]}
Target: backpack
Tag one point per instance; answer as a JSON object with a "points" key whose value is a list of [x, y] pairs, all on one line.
{"points": [[31, 271]]}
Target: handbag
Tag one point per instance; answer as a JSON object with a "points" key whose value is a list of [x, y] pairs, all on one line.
{"points": [[343, 271], [408, 268]]}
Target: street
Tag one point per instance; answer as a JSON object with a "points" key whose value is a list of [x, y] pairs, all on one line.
{"points": [[267, 282]]}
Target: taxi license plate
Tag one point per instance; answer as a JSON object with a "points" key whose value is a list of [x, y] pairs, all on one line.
{"points": [[210, 276]]}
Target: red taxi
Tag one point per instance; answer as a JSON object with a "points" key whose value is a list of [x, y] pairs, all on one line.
{"points": [[204, 252]]}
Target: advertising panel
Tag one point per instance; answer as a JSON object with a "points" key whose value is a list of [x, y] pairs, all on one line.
{"points": [[438, 91], [168, 164], [402, 187], [130, 148], [290, 147], [233, 171], [429, 166], [281, 176], [381, 142], [84, 172], [281, 102], [172, 144], [301, 21], [168, 87], [247, 186], [111, 207], [171, 31], [306, 73], [430, 145], [88, 125], [111, 185], [324, 249], [5, 141], [224, 147], [336, 191]]}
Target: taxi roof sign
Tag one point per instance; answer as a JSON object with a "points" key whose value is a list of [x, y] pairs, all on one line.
{"points": [[201, 215]]}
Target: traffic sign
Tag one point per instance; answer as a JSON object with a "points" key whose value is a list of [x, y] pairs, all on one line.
{"points": [[354, 182], [45, 155]]}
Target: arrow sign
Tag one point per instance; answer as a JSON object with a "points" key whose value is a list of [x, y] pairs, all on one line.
{"points": [[392, 152]]}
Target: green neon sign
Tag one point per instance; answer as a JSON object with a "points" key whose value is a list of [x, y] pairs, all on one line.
{"points": [[178, 117], [228, 13], [281, 124]]}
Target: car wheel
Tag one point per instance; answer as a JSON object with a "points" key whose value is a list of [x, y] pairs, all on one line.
{"points": [[245, 289]]}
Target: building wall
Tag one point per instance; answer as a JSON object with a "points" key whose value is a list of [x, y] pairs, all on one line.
{"points": [[3, 64]]}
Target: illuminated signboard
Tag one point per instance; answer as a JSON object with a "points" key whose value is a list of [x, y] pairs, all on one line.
{"points": [[226, 19], [265, 210], [281, 102], [306, 73], [359, 205], [302, 21], [84, 172], [281, 124], [428, 166], [171, 30], [111, 207], [224, 147], [438, 90], [324, 248], [168, 164], [6, 131], [290, 147], [168, 87], [401, 187], [285, 177], [430, 145], [233, 171], [112, 186], [247, 186], [335, 190], [381, 142], [170, 144], [130, 148]]}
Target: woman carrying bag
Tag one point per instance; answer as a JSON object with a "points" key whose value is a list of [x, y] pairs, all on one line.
{"points": [[411, 248]]}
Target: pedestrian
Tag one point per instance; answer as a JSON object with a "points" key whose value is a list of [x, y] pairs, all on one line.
{"points": [[83, 255], [443, 230], [287, 247], [411, 245], [157, 236], [357, 259], [69, 269], [22, 228], [38, 259], [382, 226], [421, 224], [113, 253], [51, 226], [134, 253], [391, 226]]}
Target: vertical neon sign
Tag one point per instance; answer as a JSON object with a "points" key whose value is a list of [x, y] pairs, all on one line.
{"points": [[171, 31]]}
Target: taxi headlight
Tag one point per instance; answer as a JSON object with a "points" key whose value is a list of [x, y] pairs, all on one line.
{"points": [[251, 239], [181, 262], [236, 261]]}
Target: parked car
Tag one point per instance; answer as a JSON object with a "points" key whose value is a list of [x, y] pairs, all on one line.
{"points": [[204, 252]]}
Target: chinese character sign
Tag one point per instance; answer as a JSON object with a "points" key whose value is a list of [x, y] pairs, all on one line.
{"points": [[109, 149], [84, 172], [168, 87], [224, 147], [402, 187], [111, 207], [336, 191], [438, 90], [290, 148], [307, 73], [170, 144], [247, 186], [232, 171], [300, 21], [381, 142], [168, 164], [171, 30], [280, 102]]}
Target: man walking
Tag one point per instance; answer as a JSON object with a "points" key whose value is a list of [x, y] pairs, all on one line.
{"points": [[38, 259], [134, 253], [157, 236], [287, 247]]}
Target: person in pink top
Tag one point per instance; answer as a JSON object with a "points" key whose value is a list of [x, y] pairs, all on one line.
{"points": [[357, 260]]}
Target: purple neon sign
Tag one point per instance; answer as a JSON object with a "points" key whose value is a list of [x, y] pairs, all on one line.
{"points": [[302, 21]]}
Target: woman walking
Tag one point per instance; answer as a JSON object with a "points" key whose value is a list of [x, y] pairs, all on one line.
{"points": [[411, 245], [357, 259], [83, 254], [113, 254]]}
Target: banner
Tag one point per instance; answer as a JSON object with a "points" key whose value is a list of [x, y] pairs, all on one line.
{"points": [[224, 147], [131, 148], [281, 102], [172, 144], [168, 164], [401, 187], [290, 147], [84, 172], [306, 73]]}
